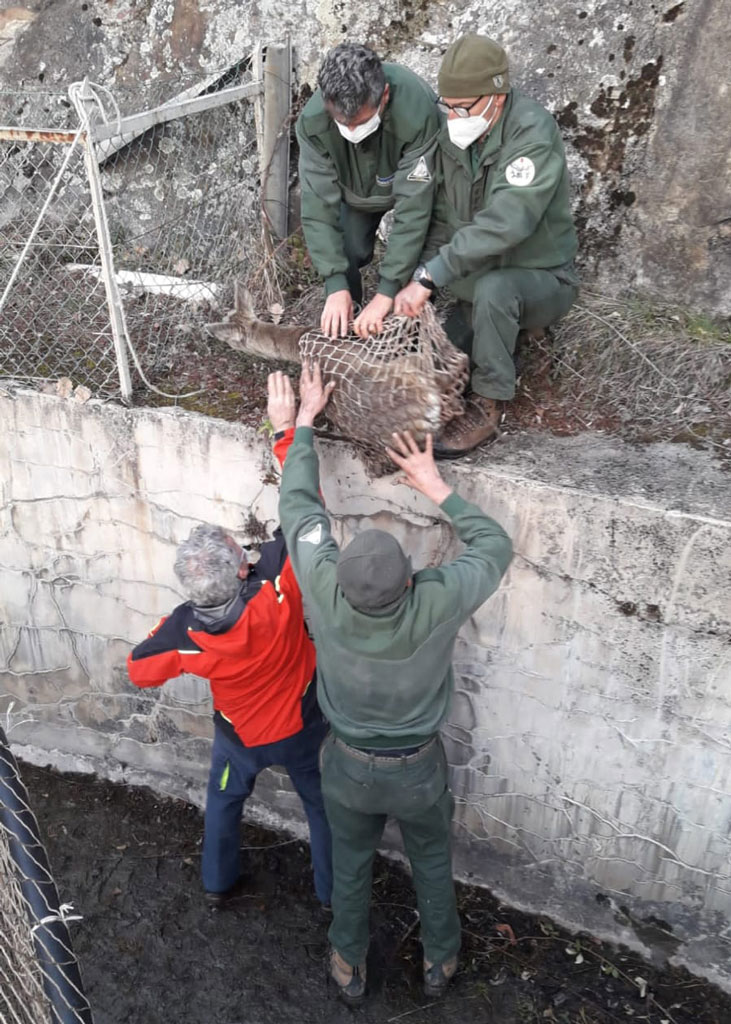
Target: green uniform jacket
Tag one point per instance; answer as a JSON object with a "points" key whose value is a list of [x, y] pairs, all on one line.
{"points": [[512, 209], [392, 168], [385, 679]]}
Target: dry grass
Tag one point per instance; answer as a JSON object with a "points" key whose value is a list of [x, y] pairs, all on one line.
{"points": [[654, 371]]}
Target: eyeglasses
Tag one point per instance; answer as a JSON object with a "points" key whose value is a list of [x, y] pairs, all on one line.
{"points": [[445, 108]]}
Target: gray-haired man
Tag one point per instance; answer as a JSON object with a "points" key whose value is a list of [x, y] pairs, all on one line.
{"points": [[366, 141], [243, 630]]}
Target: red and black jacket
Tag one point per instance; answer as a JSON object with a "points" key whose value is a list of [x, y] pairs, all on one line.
{"points": [[259, 660]]}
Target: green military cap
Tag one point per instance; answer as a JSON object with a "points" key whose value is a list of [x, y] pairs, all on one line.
{"points": [[474, 66], [373, 570]]}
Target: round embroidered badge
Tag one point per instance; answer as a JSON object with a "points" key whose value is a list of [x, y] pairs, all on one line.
{"points": [[521, 171]]}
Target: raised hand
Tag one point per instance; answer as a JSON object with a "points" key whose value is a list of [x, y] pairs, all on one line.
{"points": [[280, 401], [419, 468], [313, 395]]}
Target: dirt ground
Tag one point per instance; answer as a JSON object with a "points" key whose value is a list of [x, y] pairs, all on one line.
{"points": [[151, 951]]}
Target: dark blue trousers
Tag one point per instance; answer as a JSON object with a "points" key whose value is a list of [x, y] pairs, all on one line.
{"points": [[234, 768]]}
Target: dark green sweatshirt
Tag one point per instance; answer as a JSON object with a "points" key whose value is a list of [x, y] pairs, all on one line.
{"points": [[385, 679], [392, 168]]}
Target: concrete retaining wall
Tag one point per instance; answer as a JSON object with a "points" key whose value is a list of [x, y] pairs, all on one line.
{"points": [[589, 743]]}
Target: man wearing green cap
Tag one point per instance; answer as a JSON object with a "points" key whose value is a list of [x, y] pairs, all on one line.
{"points": [[501, 237], [384, 637]]}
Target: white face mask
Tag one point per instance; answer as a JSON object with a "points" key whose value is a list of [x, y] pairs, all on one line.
{"points": [[361, 131], [463, 131]]}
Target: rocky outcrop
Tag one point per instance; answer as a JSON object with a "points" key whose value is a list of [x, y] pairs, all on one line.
{"points": [[637, 88]]}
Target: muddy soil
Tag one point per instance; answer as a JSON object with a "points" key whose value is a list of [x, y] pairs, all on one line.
{"points": [[152, 953]]}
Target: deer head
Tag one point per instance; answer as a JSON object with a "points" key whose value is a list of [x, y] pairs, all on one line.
{"points": [[243, 331]]}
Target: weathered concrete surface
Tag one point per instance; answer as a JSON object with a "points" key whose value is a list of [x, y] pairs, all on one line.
{"points": [[588, 740], [639, 89]]}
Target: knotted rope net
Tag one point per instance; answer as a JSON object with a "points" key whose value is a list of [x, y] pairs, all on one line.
{"points": [[407, 377]]}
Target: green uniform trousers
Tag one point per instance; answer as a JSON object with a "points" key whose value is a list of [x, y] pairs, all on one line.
{"points": [[361, 791], [501, 303], [359, 239]]}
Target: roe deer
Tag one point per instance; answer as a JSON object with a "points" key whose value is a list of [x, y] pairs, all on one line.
{"points": [[382, 384]]}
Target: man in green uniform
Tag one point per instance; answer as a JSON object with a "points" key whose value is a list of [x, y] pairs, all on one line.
{"points": [[366, 141], [502, 238], [384, 637]]}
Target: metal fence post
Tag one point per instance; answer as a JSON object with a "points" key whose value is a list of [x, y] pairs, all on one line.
{"points": [[275, 156], [86, 101]]}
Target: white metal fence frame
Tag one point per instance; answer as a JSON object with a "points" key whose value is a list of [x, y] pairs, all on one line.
{"points": [[103, 132]]}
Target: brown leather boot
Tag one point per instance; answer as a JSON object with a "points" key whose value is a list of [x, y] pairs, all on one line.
{"points": [[461, 435]]}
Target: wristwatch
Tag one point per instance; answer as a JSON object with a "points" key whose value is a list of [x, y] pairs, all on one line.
{"points": [[423, 277]]}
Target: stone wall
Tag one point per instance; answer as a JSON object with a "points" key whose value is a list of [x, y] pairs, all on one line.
{"points": [[588, 738], [639, 88]]}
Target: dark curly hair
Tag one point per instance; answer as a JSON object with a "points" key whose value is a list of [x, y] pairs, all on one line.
{"points": [[351, 77]]}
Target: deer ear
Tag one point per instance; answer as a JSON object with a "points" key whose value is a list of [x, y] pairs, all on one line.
{"points": [[243, 302], [232, 334]]}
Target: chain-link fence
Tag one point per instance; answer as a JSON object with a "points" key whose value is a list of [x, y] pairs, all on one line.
{"points": [[125, 229], [40, 981], [50, 327]]}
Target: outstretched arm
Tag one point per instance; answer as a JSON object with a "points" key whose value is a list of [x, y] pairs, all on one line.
{"points": [[304, 519]]}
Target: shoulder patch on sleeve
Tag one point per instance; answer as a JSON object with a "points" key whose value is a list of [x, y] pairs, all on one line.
{"points": [[313, 536], [420, 171], [521, 171]]}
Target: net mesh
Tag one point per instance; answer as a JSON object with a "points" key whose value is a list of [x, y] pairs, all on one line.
{"points": [[408, 377]]}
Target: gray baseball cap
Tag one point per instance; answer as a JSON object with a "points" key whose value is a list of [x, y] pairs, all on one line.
{"points": [[373, 570]]}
